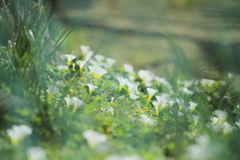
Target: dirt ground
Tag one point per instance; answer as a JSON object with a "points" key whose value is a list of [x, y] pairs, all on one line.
{"points": [[149, 34]]}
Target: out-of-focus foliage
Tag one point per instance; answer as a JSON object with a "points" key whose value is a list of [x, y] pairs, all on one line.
{"points": [[26, 49], [207, 32], [85, 108]]}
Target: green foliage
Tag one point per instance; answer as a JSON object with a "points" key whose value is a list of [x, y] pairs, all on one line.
{"points": [[84, 108], [27, 49]]}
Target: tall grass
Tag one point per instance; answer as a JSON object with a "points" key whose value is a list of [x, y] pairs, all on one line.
{"points": [[27, 48]]}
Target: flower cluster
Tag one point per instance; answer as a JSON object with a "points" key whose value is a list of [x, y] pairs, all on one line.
{"points": [[155, 94], [108, 106]]}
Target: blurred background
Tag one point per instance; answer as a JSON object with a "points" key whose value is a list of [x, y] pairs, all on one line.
{"points": [[150, 34]]}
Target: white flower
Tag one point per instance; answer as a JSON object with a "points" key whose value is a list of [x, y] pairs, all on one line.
{"points": [[227, 128], [96, 64], [147, 84], [192, 106], [91, 87], [104, 65], [195, 119], [97, 71], [162, 81], [163, 98], [61, 67], [218, 123], [68, 101], [76, 102], [161, 103], [222, 115], [18, 132], [133, 96], [128, 68], [110, 62], [132, 87], [208, 82], [92, 69], [146, 76], [94, 138], [146, 120], [69, 58], [89, 55], [53, 89], [36, 153], [131, 78], [122, 81], [118, 157], [81, 64], [151, 92], [214, 120], [85, 49], [180, 103], [99, 58], [100, 72], [188, 83], [156, 106], [187, 91]]}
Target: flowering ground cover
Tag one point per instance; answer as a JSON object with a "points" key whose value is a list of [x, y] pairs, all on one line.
{"points": [[100, 112]]}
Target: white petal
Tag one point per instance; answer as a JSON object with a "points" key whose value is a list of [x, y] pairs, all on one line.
{"points": [[128, 68], [110, 62], [81, 63], [222, 115], [77, 102], [192, 105], [133, 96], [70, 57], [53, 89], [91, 86], [68, 100], [36, 153], [151, 91], [85, 49], [99, 58], [94, 137], [61, 67], [89, 55], [145, 75]]}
